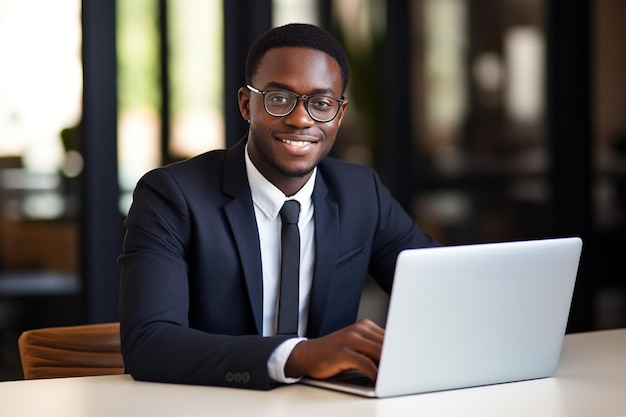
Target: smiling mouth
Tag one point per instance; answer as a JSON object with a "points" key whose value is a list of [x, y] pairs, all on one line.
{"points": [[295, 142]]}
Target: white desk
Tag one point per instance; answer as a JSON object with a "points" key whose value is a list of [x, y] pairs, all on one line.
{"points": [[591, 381]]}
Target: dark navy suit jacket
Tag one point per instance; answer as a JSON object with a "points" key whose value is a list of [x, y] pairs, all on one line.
{"points": [[191, 295]]}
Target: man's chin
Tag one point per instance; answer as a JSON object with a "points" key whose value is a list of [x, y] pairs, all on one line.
{"points": [[295, 173], [298, 170]]}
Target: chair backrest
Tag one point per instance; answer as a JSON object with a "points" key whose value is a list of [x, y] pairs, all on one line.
{"points": [[86, 350]]}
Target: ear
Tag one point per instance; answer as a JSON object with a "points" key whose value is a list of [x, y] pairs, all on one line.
{"points": [[243, 96]]}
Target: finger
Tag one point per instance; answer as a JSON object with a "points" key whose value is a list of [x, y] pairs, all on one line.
{"points": [[370, 326], [368, 348], [366, 366], [367, 340], [375, 334]]}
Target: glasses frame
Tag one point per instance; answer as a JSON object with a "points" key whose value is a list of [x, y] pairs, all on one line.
{"points": [[299, 97]]}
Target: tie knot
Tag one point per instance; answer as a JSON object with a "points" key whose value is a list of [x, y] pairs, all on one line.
{"points": [[290, 212]]}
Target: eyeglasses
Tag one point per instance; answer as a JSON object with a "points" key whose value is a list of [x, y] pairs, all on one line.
{"points": [[280, 103]]}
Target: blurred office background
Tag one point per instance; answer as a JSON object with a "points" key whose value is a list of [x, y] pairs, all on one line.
{"points": [[490, 120]]}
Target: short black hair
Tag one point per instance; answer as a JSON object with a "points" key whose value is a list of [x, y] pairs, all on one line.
{"points": [[299, 35]]}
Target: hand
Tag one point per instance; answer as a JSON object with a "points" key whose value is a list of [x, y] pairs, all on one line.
{"points": [[357, 346]]}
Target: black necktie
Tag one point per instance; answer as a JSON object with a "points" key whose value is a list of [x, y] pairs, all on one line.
{"points": [[289, 269]]}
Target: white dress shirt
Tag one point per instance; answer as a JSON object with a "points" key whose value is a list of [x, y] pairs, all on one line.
{"points": [[268, 200]]}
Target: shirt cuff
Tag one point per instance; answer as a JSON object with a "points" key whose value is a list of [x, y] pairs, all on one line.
{"points": [[278, 360]]}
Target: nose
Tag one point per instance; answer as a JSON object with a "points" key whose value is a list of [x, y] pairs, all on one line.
{"points": [[299, 116]]}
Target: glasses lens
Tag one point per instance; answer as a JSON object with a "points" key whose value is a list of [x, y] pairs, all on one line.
{"points": [[280, 103], [322, 108]]}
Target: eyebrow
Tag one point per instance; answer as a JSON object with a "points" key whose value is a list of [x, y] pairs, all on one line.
{"points": [[273, 84]]}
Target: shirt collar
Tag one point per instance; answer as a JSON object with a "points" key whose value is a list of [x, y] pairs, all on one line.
{"points": [[268, 198]]}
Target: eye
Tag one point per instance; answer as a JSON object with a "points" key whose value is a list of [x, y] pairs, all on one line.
{"points": [[279, 97], [322, 102]]}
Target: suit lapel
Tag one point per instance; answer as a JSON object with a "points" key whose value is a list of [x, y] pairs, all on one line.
{"points": [[240, 214], [326, 230]]}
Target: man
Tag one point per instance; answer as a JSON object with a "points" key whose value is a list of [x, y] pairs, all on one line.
{"points": [[200, 268]]}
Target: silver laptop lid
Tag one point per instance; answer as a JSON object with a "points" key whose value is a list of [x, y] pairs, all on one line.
{"points": [[473, 315]]}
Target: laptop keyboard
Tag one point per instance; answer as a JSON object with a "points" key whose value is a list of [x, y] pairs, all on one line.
{"points": [[353, 378]]}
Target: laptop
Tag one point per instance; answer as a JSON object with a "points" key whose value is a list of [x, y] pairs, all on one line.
{"points": [[473, 315]]}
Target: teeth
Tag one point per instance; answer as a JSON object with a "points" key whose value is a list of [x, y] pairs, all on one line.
{"points": [[295, 142]]}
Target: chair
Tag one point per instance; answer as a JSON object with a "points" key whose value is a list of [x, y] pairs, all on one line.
{"points": [[85, 350]]}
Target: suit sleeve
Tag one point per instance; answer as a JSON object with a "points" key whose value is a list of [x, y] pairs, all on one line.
{"points": [[395, 231], [157, 342]]}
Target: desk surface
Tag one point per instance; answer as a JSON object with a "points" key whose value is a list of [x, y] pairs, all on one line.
{"points": [[591, 381]]}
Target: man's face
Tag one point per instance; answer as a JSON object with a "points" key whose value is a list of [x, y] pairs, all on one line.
{"points": [[286, 149]]}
